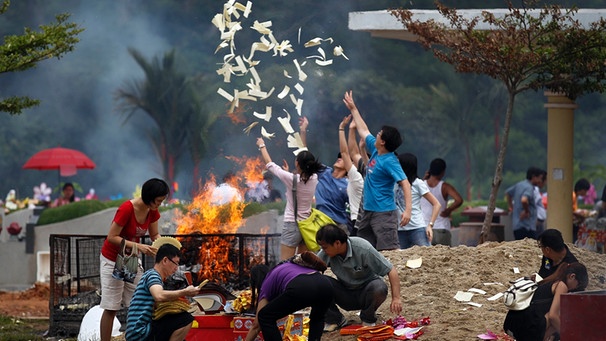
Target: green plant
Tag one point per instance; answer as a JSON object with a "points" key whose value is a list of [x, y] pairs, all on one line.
{"points": [[256, 208], [74, 210], [15, 329]]}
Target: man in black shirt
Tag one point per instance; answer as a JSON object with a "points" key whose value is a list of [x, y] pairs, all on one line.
{"points": [[555, 252]]}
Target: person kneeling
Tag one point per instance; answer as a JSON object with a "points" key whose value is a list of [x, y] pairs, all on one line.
{"points": [[149, 292], [359, 269]]}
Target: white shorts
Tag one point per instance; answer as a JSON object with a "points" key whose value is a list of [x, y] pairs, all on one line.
{"points": [[115, 293]]}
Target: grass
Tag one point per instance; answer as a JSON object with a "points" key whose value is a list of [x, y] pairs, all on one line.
{"points": [[16, 329]]}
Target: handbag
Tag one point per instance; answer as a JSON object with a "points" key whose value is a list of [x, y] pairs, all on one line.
{"points": [[126, 267], [519, 295], [310, 225]]}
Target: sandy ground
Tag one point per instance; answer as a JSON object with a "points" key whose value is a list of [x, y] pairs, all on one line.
{"points": [[427, 291]]}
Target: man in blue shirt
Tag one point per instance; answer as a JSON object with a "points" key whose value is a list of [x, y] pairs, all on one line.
{"points": [[149, 291], [522, 204], [378, 223]]}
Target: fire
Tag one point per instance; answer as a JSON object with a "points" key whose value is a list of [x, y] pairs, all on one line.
{"points": [[217, 254]]}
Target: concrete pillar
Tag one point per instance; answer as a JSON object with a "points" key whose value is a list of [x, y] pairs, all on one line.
{"points": [[560, 142]]}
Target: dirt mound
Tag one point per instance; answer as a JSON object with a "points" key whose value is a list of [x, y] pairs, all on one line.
{"points": [[30, 303]]}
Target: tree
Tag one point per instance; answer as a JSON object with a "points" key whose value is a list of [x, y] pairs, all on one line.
{"points": [[525, 49], [171, 100], [22, 52]]}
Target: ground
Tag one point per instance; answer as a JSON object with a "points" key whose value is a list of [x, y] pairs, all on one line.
{"points": [[32, 303], [427, 291]]}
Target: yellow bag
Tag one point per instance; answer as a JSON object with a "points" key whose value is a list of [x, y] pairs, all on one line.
{"points": [[311, 225]]}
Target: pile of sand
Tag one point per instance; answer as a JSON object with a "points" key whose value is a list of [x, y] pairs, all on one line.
{"points": [[429, 291]]}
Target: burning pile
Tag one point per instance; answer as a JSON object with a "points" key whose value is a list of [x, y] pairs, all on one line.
{"points": [[213, 249]]}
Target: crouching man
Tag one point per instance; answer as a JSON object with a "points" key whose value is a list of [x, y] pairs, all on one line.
{"points": [[149, 292], [359, 269]]}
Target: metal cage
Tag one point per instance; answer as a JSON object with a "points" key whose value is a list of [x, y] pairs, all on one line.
{"points": [[75, 266]]}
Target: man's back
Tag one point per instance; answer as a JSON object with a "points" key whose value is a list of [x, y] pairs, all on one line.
{"points": [[523, 189]]}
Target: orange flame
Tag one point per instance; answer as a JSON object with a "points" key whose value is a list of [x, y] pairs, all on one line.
{"points": [[216, 254]]}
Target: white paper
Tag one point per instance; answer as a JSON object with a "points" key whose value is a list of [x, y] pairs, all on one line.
{"points": [[463, 296], [495, 297], [414, 263], [477, 291]]}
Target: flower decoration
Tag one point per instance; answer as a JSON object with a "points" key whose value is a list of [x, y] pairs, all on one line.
{"points": [[42, 193]]}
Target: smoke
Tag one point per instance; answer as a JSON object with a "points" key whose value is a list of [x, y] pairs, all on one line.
{"points": [[78, 108], [77, 92]]}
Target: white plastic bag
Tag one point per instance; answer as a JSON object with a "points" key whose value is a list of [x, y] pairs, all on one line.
{"points": [[90, 329]]}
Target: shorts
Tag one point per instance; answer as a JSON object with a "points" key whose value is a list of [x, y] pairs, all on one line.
{"points": [[291, 235], [380, 229], [442, 237], [163, 329], [115, 293]]}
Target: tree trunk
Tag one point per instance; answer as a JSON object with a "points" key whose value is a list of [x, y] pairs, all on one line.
{"points": [[498, 173]]}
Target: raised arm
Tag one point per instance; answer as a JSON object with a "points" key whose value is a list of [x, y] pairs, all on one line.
{"points": [[343, 148], [263, 149], [303, 124], [360, 124], [352, 143], [362, 149]]}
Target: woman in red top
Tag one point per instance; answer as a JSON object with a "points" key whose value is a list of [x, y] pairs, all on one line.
{"points": [[134, 219]]}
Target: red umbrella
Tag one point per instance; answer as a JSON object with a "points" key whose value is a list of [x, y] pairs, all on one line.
{"points": [[67, 161]]}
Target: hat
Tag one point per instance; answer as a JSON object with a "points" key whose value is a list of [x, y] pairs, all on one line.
{"points": [[166, 240]]}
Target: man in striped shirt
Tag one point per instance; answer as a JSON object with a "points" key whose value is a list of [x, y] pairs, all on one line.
{"points": [[140, 326]]}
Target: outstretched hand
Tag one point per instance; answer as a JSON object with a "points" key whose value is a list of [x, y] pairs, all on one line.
{"points": [[349, 101], [303, 123], [345, 121]]}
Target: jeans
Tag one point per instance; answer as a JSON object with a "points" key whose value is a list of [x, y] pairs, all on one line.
{"points": [[414, 237], [367, 299], [522, 233]]}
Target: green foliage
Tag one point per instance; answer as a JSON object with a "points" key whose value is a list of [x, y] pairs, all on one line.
{"points": [[256, 208], [73, 210], [14, 105], [175, 106], [15, 329], [22, 52]]}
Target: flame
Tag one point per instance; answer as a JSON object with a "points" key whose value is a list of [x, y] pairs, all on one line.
{"points": [[237, 115], [217, 255]]}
